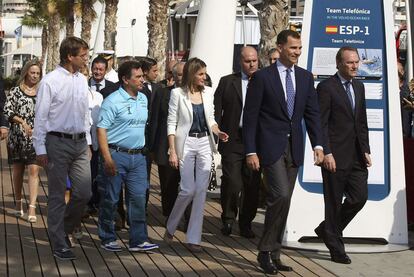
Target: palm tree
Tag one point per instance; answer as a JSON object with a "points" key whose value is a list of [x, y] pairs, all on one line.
{"points": [[70, 17], [88, 16], [158, 32], [111, 8], [273, 17], [53, 27]]}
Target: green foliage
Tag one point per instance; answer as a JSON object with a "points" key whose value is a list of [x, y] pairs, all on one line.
{"points": [[36, 15], [10, 82]]}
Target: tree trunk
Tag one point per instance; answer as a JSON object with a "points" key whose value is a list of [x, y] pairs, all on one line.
{"points": [[111, 8], [70, 18], [158, 33], [44, 44], [53, 37], [273, 17], [88, 15]]}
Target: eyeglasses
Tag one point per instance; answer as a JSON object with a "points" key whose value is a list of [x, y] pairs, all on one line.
{"points": [[84, 56]]}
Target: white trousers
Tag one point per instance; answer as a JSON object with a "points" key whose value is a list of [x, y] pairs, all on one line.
{"points": [[195, 168]]}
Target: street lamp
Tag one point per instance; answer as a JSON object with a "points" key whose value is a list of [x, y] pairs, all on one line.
{"points": [[243, 4], [133, 21]]}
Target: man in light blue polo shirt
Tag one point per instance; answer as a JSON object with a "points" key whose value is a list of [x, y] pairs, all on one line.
{"points": [[121, 137]]}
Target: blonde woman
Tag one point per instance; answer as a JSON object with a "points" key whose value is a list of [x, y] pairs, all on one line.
{"points": [[20, 111], [191, 127]]}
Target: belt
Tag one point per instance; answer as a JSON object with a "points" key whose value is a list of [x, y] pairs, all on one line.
{"points": [[124, 150], [68, 136], [198, 135]]}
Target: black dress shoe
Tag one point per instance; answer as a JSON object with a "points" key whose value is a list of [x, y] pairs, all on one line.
{"points": [[226, 230], [280, 266], [341, 259], [247, 233], [319, 232], [266, 263]]}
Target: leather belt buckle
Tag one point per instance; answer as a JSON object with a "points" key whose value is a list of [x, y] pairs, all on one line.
{"points": [[78, 136], [198, 135], [132, 151]]}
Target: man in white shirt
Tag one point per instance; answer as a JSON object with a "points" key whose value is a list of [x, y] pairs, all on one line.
{"points": [[60, 138]]}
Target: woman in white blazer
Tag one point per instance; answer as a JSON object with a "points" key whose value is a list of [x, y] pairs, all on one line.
{"points": [[191, 126]]}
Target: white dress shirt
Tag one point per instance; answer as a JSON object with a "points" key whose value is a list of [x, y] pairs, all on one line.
{"points": [[95, 102], [282, 73], [343, 81], [62, 105], [244, 83], [101, 84]]}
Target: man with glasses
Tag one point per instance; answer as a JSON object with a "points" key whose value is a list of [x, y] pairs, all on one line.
{"points": [[60, 138]]}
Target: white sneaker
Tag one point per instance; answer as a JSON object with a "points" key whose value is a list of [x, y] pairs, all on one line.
{"points": [[112, 246], [145, 246]]}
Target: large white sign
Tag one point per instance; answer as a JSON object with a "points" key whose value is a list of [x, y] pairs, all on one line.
{"points": [[367, 26]]}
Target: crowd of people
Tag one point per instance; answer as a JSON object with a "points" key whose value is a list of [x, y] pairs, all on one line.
{"points": [[95, 137]]}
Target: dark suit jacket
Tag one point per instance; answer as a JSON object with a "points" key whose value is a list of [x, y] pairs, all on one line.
{"points": [[3, 120], [228, 108], [108, 89], [342, 129], [266, 123], [158, 139], [151, 94]]}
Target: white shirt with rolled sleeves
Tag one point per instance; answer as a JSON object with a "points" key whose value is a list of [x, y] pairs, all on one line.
{"points": [[62, 106]]}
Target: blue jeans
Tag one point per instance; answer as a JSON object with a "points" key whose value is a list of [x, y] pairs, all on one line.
{"points": [[132, 171]]}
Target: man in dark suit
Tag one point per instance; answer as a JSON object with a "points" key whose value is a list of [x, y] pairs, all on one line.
{"points": [[279, 97], [150, 68], [345, 131], [98, 82], [169, 177], [229, 100]]}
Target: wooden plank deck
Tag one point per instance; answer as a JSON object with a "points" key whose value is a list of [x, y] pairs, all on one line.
{"points": [[25, 249]]}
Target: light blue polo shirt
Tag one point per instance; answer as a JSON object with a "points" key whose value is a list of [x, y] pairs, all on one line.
{"points": [[124, 119]]}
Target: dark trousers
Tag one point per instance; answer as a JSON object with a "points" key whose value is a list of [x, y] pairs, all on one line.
{"points": [[351, 182], [94, 201], [280, 179], [169, 182], [407, 118], [239, 188]]}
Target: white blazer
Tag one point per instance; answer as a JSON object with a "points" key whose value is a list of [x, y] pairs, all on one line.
{"points": [[180, 117]]}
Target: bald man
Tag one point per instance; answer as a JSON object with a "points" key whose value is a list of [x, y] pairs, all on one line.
{"points": [[239, 185]]}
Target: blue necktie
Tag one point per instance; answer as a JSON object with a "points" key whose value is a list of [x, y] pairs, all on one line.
{"points": [[290, 93], [348, 93]]}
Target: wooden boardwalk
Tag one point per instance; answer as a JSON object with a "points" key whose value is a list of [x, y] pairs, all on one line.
{"points": [[25, 249]]}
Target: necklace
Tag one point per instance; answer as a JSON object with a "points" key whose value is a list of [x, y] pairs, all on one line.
{"points": [[28, 90]]}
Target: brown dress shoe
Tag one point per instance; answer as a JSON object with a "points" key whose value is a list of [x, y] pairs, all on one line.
{"points": [[168, 238], [195, 248]]}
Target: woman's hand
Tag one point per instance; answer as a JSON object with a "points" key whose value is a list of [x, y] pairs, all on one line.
{"points": [[173, 160], [222, 136], [27, 130]]}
